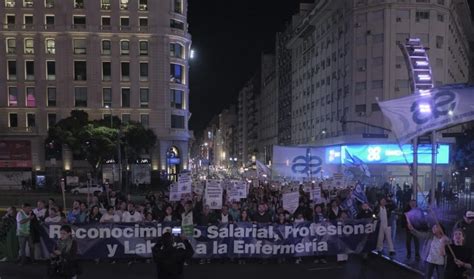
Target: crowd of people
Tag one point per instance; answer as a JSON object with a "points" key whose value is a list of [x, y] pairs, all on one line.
{"points": [[21, 227]]}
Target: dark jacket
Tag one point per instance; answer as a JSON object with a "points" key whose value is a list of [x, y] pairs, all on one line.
{"points": [[365, 214], [170, 260], [265, 218], [332, 215]]}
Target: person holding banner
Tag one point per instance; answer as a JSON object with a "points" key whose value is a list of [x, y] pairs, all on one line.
{"points": [[459, 265]]}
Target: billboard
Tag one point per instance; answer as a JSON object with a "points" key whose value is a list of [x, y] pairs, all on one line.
{"points": [[15, 154]]}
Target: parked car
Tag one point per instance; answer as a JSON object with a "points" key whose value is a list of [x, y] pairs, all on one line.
{"points": [[94, 189]]}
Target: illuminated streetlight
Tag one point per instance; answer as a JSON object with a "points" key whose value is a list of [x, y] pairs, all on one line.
{"points": [[192, 54]]}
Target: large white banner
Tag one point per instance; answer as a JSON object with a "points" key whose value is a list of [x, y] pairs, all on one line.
{"points": [[301, 163], [213, 194], [441, 107]]}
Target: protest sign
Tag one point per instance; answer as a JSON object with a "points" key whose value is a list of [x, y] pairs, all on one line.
{"points": [[244, 240], [315, 193], [213, 194], [184, 183], [174, 192], [291, 201]]}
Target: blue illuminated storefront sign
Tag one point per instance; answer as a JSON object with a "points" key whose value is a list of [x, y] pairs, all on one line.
{"points": [[385, 154]]}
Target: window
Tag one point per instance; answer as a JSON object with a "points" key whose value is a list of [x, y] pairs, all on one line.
{"points": [[143, 71], [106, 47], [125, 97], [79, 22], [80, 46], [13, 120], [143, 23], [51, 97], [78, 4], [30, 120], [178, 6], [50, 46], [177, 121], [105, 4], [125, 69], [52, 119], [143, 47], [30, 97], [124, 23], [11, 70], [10, 21], [49, 3], [12, 97], [176, 73], [439, 42], [124, 47], [106, 71], [440, 17], [360, 87], [176, 50], [107, 97], [144, 97], [80, 70], [422, 15], [29, 46], [28, 3], [177, 99], [49, 21], [80, 97], [27, 21], [124, 4], [176, 24], [29, 70], [143, 5], [126, 118], [375, 107], [377, 84], [360, 108], [106, 24], [10, 3], [50, 70], [11, 45], [144, 120]]}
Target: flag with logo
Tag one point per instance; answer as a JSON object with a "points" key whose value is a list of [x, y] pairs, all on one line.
{"points": [[417, 114], [355, 165], [359, 193]]}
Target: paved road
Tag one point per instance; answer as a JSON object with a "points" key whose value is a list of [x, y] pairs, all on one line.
{"points": [[354, 269]]}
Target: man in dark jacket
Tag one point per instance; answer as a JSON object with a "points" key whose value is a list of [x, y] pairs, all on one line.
{"points": [[170, 255], [262, 216], [412, 208]]}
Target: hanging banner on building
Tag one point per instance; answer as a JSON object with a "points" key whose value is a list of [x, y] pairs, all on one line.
{"points": [[213, 194], [301, 163], [244, 240], [417, 114], [291, 201]]}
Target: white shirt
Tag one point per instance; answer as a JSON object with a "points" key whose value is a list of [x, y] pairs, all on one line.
{"points": [[108, 218], [187, 219], [40, 213], [224, 218], [383, 217], [132, 218], [56, 219], [435, 255]]}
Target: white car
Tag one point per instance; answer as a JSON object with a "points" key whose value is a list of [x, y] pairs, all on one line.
{"points": [[93, 189]]}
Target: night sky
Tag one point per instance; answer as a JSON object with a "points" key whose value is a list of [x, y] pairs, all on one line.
{"points": [[228, 38]]}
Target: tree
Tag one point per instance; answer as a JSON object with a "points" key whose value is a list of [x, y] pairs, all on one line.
{"points": [[137, 140]]}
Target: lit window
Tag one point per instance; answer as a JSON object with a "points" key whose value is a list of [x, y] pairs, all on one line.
{"points": [[80, 70], [124, 47], [50, 70], [51, 97], [105, 4], [12, 120], [28, 3], [106, 47], [125, 70], [78, 4], [125, 97], [30, 120], [143, 47], [29, 46], [49, 3], [178, 6], [12, 97], [10, 3], [11, 45], [176, 73], [143, 5], [107, 97], [144, 97], [30, 97], [80, 46], [80, 97], [124, 4], [29, 70], [50, 46]]}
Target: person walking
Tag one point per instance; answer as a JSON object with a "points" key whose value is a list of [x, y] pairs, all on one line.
{"points": [[169, 256], [23, 220]]}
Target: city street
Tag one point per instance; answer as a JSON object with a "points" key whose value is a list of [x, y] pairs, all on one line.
{"points": [[354, 269]]}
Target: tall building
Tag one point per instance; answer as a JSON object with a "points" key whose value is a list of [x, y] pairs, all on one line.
{"points": [[247, 107], [128, 58], [268, 109], [345, 56], [228, 129]]}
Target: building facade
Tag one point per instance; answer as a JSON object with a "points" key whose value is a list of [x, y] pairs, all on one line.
{"points": [[268, 109], [126, 58], [345, 57]]}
